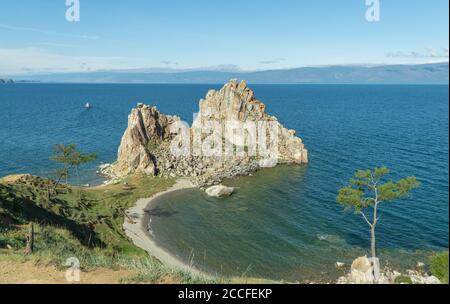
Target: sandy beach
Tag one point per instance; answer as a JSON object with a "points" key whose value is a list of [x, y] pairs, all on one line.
{"points": [[136, 228]]}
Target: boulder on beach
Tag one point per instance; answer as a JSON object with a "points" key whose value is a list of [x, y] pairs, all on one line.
{"points": [[219, 191]]}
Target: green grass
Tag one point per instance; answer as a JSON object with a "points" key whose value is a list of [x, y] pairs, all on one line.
{"points": [[402, 279], [96, 219], [439, 266], [53, 246], [89, 228]]}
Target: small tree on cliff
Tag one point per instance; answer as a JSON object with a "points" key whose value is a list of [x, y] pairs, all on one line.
{"points": [[63, 155], [368, 189], [78, 159], [70, 157]]}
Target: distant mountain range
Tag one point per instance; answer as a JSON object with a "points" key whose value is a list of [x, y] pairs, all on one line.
{"points": [[436, 73]]}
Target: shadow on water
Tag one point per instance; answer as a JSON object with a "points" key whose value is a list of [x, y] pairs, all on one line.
{"points": [[159, 212]]}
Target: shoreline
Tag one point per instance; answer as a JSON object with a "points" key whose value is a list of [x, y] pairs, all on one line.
{"points": [[136, 228]]}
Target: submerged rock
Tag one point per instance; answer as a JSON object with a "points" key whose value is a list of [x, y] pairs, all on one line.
{"points": [[219, 191]]}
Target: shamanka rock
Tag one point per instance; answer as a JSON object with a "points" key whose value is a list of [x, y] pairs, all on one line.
{"points": [[147, 144], [147, 128]]}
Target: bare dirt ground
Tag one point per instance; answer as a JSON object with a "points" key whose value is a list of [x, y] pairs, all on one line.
{"points": [[29, 273]]}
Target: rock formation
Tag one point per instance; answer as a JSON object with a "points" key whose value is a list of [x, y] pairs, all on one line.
{"points": [[361, 272], [147, 145], [147, 129]]}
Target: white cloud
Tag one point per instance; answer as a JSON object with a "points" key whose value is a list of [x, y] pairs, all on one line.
{"points": [[427, 53], [35, 60], [45, 32], [53, 44], [273, 61]]}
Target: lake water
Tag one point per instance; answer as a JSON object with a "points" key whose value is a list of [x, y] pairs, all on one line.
{"points": [[282, 223]]}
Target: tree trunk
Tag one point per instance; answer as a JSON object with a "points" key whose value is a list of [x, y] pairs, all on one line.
{"points": [[375, 260], [55, 189], [30, 239], [373, 242], [67, 178], [78, 183], [48, 191]]}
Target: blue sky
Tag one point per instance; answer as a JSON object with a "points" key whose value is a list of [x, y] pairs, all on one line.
{"points": [[249, 35]]}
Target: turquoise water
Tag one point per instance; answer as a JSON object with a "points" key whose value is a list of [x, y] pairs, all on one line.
{"points": [[282, 223]]}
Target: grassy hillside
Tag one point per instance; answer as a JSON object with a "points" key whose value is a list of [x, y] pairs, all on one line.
{"points": [[82, 223]]}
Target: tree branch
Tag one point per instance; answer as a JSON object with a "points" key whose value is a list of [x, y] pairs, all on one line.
{"points": [[367, 221]]}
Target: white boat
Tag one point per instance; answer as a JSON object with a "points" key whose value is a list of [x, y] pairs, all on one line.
{"points": [[87, 106]]}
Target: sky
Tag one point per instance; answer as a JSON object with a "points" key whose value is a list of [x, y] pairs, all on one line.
{"points": [[35, 36]]}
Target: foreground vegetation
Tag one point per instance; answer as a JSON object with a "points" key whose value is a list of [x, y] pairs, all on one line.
{"points": [[89, 228], [86, 223], [439, 266], [367, 190]]}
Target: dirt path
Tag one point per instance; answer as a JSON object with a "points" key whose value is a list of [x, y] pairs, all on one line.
{"points": [[28, 273]]}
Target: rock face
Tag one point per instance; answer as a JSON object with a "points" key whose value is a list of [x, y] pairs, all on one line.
{"points": [[237, 102], [147, 128], [219, 191], [147, 145], [362, 271]]}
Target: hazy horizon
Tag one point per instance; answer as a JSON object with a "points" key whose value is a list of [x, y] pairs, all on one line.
{"points": [[206, 35]]}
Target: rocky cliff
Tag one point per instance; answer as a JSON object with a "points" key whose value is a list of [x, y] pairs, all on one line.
{"points": [[149, 142]]}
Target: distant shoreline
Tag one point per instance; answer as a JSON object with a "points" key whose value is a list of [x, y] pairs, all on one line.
{"points": [[431, 73], [218, 83]]}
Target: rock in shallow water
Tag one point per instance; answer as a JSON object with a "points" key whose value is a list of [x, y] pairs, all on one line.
{"points": [[219, 191]]}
